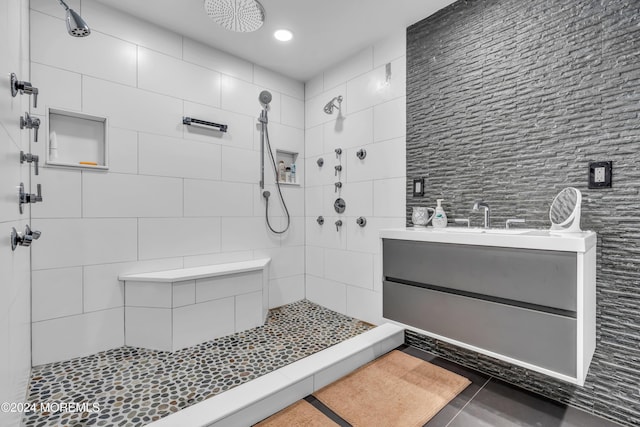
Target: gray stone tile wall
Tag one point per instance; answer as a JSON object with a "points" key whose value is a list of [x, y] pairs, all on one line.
{"points": [[509, 101]]}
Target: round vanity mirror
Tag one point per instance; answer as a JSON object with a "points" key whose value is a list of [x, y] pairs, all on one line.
{"points": [[565, 210]]}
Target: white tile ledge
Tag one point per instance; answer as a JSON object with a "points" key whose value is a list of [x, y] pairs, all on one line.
{"points": [[183, 274], [245, 404]]}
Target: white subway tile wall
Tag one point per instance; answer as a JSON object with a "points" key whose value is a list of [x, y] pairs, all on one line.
{"points": [[65, 92], [102, 56], [286, 289], [15, 301], [56, 293], [343, 268], [66, 337], [174, 196]]}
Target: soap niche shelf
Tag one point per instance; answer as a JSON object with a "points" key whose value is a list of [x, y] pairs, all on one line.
{"points": [[289, 158], [79, 138]]}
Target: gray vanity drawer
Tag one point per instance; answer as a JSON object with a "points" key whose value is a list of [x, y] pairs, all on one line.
{"points": [[542, 339], [545, 278]]}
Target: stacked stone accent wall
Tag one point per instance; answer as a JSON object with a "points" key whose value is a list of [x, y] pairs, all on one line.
{"points": [[508, 101]]}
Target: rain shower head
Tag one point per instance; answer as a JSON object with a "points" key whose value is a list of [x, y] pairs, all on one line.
{"points": [[265, 97], [242, 16], [76, 26], [332, 104]]}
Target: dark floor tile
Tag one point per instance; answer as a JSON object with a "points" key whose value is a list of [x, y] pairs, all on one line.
{"points": [[499, 404], [477, 379], [327, 411]]}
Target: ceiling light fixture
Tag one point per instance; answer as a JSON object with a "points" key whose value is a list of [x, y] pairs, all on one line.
{"points": [[283, 35]]}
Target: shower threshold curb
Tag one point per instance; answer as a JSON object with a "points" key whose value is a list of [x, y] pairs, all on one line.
{"points": [[257, 399]]}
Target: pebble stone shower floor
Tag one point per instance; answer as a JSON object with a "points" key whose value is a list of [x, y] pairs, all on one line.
{"points": [[134, 386]]}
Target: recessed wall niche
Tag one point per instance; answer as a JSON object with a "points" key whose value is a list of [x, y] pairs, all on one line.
{"points": [[76, 140], [289, 158]]}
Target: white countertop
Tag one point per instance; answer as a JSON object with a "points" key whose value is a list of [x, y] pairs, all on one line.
{"points": [[182, 274], [510, 238]]}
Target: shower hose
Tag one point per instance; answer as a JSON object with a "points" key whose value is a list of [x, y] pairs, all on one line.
{"points": [[266, 194]]}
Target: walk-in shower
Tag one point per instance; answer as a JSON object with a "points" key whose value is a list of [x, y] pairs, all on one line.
{"points": [[265, 98], [76, 26]]}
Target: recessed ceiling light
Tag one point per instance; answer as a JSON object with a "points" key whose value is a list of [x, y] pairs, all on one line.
{"points": [[283, 35]]}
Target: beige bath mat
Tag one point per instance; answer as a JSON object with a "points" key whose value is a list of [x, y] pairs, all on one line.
{"points": [[301, 413], [395, 390]]}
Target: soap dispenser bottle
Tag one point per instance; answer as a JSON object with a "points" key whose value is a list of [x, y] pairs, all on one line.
{"points": [[440, 217]]}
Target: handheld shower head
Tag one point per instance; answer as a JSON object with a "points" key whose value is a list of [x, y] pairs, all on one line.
{"points": [[76, 26], [332, 104], [265, 97]]}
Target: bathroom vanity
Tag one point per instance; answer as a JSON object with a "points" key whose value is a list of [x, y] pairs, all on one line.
{"points": [[527, 297]]}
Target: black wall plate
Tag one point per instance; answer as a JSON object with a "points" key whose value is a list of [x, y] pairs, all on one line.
{"points": [[600, 174], [418, 187]]}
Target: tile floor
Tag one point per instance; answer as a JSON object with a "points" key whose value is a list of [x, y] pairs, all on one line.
{"points": [[134, 387], [489, 402]]}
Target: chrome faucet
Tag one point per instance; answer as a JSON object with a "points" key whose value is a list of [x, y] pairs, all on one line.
{"points": [[514, 221], [487, 211]]}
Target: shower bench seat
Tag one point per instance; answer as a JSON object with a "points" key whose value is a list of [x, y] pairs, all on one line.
{"points": [[174, 309]]}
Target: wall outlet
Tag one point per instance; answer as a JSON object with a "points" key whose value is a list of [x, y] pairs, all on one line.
{"points": [[600, 174]]}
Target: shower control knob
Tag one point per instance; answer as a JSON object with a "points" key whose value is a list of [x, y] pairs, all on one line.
{"points": [[338, 152], [23, 87], [338, 224], [320, 220], [30, 158], [37, 197], [29, 122], [29, 236], [361, 221], [23, 239], [24, 198], [36, 234], [338, 169], [338, 185]]}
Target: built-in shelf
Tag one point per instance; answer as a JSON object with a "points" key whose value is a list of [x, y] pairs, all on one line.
{"points": [[76, 140], [288, 158]]}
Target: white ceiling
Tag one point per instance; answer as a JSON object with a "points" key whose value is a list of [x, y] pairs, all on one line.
{"points": [[325, 31]]}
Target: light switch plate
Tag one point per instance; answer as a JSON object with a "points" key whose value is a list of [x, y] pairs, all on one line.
{"points": [[600, 174], [418, 187]]}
